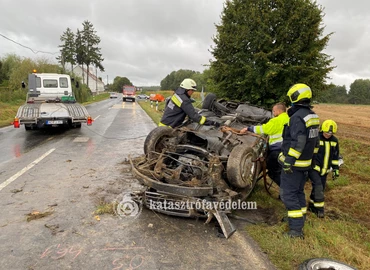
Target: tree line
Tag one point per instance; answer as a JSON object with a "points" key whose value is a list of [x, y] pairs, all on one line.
{"points": [[81, 48], [262, 48]]}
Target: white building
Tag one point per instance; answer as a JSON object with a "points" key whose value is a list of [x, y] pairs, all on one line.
{"points": [[96, 86]]}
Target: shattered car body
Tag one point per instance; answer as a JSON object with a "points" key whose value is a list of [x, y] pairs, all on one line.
{"points": [[193, 170]]}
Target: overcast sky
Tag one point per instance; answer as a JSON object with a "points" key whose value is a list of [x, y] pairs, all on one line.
{"points": [[144, 40]]}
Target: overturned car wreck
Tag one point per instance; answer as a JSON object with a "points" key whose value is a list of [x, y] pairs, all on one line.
{"points": [[197, 170]]}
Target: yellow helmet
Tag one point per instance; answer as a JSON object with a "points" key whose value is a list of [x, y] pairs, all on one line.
{"points": [[329, 126], [189, 84], [298, 92]]}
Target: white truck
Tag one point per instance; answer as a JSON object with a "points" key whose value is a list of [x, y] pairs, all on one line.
{"points": [[50, 103]]}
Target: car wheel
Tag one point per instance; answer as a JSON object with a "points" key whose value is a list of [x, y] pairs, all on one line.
{"points": [[241, 168], [323, 263], [208, 101], [157, 139]]}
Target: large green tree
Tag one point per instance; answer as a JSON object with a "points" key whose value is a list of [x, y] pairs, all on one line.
{"points": [[334, 94], [173, 80], [91, 42], [67, 49], [81, 48], [262, 47], [359, 92], [118, 83]]}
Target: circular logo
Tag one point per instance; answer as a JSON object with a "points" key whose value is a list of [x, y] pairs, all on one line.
{"points": [[128, 206]]}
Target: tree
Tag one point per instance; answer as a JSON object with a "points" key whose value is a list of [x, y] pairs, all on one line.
{"points": [[68, 49], [334, 94], [359, 92], [173, 80], [80, 51], [118, 83], [91, 42], [263, 47]]}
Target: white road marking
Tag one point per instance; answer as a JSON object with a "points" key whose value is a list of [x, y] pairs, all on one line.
{"points": [[25, 169], [97, 117]]}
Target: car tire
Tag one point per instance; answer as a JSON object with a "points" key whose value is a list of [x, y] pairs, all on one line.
{"points": [[241, 168], [208, 101], [324, 263], [156, 139]]}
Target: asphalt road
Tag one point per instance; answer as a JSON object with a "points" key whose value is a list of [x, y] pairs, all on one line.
{"points": [[64, 175]]}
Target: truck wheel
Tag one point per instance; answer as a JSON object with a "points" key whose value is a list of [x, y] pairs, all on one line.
{"points": [[323, 263], [78, 125], [27, 127], [157, 139], [241, 168]]}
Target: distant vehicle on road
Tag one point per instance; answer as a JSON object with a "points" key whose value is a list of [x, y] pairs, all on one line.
{"points": [[129, 92], [142, 96], [113, 95]]}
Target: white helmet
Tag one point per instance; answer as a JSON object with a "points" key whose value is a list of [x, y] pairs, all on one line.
{"points": [[189, 84]]}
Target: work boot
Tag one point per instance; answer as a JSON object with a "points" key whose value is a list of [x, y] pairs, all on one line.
{"points": [[311, 208], [294, 234], [320, 212]]}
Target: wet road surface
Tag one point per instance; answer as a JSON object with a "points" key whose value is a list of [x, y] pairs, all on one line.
{"points": [[66, 174]]}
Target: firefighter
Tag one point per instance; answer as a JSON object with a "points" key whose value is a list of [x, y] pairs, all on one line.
{"points": [[326, 158], [179, 106], [300, 140], [274, 129]]}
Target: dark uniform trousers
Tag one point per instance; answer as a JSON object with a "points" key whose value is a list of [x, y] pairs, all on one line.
{"points": [[293, 197], [273, 166], [318, 186]]}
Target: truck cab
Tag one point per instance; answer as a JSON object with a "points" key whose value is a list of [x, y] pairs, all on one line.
{"points": [[129, 92], [45, 86]]}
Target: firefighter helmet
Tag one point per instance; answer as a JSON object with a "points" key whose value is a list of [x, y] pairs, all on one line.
{"points": [[298, 92], [189, 84], [329, 126]]}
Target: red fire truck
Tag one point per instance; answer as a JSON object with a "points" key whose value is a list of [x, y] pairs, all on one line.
{"points": [[129, 92]]}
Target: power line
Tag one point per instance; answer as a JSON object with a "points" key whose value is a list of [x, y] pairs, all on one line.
{"points": [[34, 51]]}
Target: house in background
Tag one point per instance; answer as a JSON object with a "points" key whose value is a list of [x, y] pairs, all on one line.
{"points": [[96, 86]]}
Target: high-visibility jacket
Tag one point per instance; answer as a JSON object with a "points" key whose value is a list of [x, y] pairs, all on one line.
{"points": [[328, 155], [274, 129], [300, 137], [178, 108]]}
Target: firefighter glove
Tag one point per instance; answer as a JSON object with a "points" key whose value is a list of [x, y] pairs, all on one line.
{"points": [[287, 168], [335, 174]]}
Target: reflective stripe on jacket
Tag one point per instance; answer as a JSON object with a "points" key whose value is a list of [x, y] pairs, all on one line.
{"points": [[328, 155], [300, 137], [274, 128]]}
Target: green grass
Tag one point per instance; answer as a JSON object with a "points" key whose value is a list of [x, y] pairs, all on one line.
{"points": [[97, 98], [8, 112]]}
